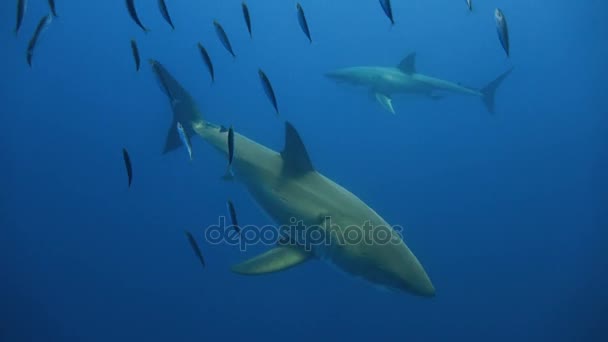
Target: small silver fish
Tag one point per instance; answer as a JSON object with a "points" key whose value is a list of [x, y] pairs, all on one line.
{"points": [[268, 90], [165, 13], [388, 10], [195, 248], [502, 29], [135, 52], [221, 34], [134, 16], [21, 8], [185, 139], [232, 214], [470, 5], [52, 7], [229, 173], [42, 25], [302, 21], [247, 18], [129, 168], [207, 60]]}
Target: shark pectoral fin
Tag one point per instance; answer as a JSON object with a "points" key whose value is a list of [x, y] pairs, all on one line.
{"points": [[275, 260], [386, 102]]}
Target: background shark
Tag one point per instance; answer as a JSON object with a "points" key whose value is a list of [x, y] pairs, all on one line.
{"points": [[384, 82], [287, 186]]}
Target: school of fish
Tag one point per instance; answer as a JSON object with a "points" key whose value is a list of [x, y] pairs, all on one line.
{"points": [[406, 68]]}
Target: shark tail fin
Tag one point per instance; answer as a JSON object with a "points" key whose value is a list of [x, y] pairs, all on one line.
{"points": [[489, 91], [183, 106]]}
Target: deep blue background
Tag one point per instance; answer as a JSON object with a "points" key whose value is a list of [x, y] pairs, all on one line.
{"points": [[507, 212]]}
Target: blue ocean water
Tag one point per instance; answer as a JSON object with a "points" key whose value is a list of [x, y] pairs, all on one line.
{"points": [[507, 212]]}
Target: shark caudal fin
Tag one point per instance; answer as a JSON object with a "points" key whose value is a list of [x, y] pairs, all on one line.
{"points": [[182, 105], [489, 91]]}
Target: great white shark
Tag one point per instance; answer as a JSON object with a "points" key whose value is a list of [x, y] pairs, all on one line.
{"points": [[287, 187], [385, 82]]}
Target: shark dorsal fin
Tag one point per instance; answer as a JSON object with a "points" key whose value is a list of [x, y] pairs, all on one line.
{"points": [[295, 157], [408, 64]]}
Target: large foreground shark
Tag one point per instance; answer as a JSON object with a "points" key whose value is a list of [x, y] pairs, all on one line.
{"points": [[286, 185], [384, 82]]}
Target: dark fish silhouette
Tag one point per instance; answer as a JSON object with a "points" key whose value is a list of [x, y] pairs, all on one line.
{"points": [[229, 175], [42, 24], [165, 12], [207, 60], [195, 248], [133, 14], [223, 37], [21, 8], [388, 10], [125, 156], [233, 219], [247, 18], [502, 29], [303, 22], [52, 6], [135, 54], [268, 90]]}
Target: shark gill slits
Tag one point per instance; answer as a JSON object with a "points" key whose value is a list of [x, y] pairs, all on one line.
{"points": [[128, 167], [388, 10], [223, 37], [303, 22], [502, 29], [247, 18], [21, 9], [268, 90], [162, 6], [135, 51], [133, 14], [44, 22], [207, 60], [195, 248]]}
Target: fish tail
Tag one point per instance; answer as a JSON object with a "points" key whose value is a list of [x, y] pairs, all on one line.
{"points": [[489, 91], [176, 94]]}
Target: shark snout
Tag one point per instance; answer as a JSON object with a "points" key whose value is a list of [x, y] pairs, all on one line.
{"points": [[409, 275], [419, 284]]}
